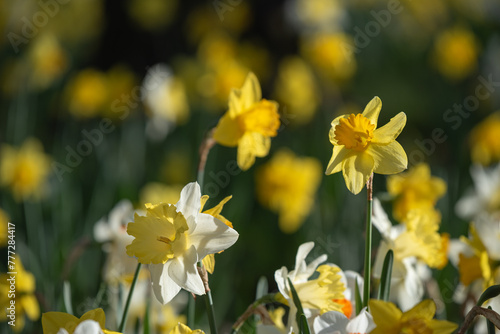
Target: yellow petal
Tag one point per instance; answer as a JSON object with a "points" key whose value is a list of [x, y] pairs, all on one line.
{"points": [[334, 124], [386, 316], [209, 263], [423, 310], [335, 164], [389, 132], [203, 200], [442, 326], [53, 321], [228, 131], [372, 110], [250, 92], [356, 169], [96, 315], [250, 146], [388, 159], [30, 306]]}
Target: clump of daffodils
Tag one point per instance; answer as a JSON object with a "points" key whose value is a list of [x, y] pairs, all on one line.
{"points": [[360, 148], [172, 239], [249, 123]]}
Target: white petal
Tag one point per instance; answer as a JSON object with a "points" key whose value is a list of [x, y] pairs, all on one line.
{"points": [[330, 322], [211, 236], [302, 271], [88, 327], [102, 231], [457, 247], [189, 203], [280, 276], [62, 331], [469, 205], [164, 287], [380, 219], [361, 324], [183, 271], [488, 229]]}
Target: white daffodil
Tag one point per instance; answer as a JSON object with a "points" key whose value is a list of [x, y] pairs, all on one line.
{"points": [[485, 197], [172, 239], [337, 323], [317, 296]]}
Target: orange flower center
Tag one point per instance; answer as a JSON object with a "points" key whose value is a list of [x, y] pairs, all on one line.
{"points": [[354, 132]]}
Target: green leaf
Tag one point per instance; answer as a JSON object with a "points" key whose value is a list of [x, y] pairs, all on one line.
{"points": [[304, 327], [357, 297], [489, 293], [146, 319], [385, 281], [489, 325]]}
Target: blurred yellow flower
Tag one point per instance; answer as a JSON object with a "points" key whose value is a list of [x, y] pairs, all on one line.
{"points": [[209, 260], [166, 319], [49, 61], [485, 142], [360, 149], [152, 15], [455, 53], [4, 228], [287, 185], [415, 189], [59, 322], [87, 93], [155, 192], [24, 170], [332, 54], [390, 320], [24, 298], [249, 123], [297, 89], [183, 329]]}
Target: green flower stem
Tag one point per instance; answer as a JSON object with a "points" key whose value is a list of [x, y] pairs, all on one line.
{"points": [[368, 242], [129, 298], [210, 312]]}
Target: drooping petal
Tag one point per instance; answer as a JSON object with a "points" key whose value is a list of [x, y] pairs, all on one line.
{"points": [[189, 203], [227, 132], [356, 169], [211, 235], [182, 270], [338, 155], [252, 145], [388, 159], [334, 124], [389, 132], [372, 110], [164, 288], [361, 324]]}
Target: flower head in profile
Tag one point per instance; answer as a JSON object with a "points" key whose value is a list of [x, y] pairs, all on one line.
{"points": [[390, 320], [63, 323], [415, 189], [24, 170], [25, 301], [249, 123], [287, 184], [173, 238], [360, 149]]}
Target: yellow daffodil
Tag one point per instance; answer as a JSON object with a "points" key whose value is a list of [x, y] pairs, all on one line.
{"points": [[249, 123], [390, 320], [49, 61], [209, 260], [167, 318], [172, 239], [4, 228], [415, 189], [287, 185], [25, 302], [87, 93], [455, 53], [183, 329], [484, 141], [24, 170], [92, 321], [360, 149]]}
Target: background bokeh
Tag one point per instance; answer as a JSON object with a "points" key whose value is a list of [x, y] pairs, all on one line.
{"points": [[78, 69]]}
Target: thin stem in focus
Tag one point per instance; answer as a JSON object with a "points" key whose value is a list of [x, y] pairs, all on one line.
{"points": [[368, 242], [129, 298]]}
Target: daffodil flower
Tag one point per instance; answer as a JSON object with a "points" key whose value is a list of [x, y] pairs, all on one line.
{"points": [[172, 239], [390, 320], [249, 123], [360, 149], [183, 329], [338, 323], [63, 323]]}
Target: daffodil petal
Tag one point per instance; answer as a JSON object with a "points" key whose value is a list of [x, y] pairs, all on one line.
{"points": [[389, 159], [389, 132], [183, 272], [96, 315], [189, 203], [53, 321], [372, 110], [164, 288], [386, 316], [88, 326], [334, 124], [356, 169], [250, 92], [442, 326], [30, 306], [227, 132], [330, 322], [335, 164], [211, 235], [363, 323], [423, 310], [252, 145]]}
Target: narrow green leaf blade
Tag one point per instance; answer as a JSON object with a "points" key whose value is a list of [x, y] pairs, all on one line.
{"points": [[357, 297], [385, 280], [489, 293]]}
